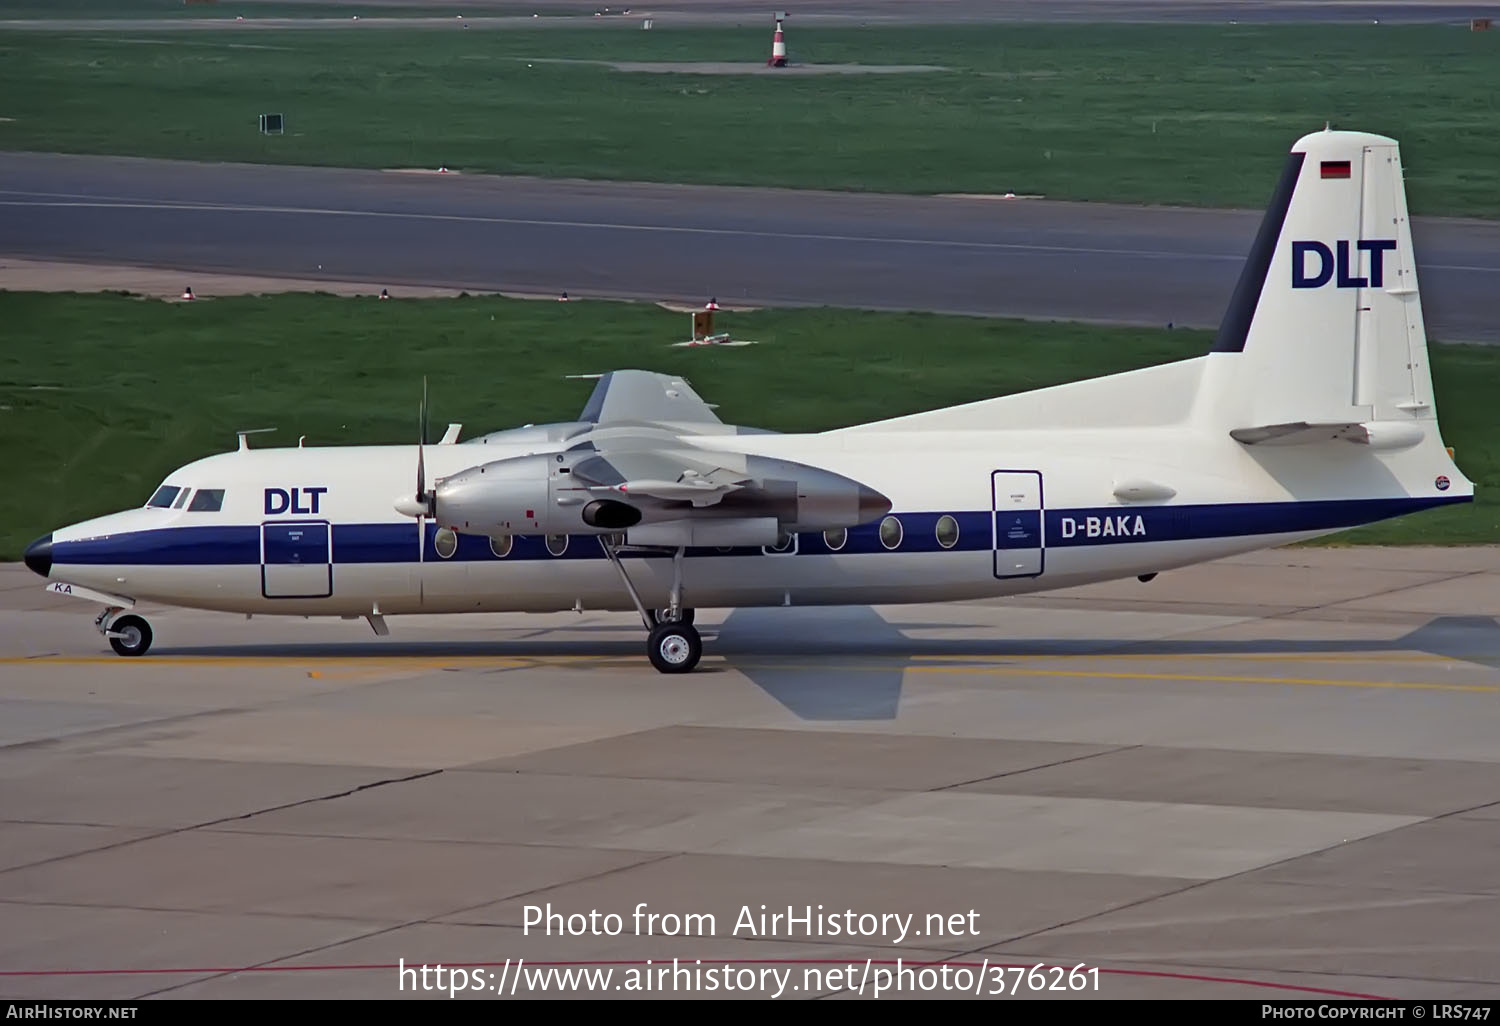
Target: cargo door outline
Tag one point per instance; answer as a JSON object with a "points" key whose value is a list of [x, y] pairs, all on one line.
{"points": [[1018, 522], [296, 559]]}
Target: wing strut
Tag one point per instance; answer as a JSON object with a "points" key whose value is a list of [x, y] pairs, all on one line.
{"points": [[674, 606], [609, 550]]}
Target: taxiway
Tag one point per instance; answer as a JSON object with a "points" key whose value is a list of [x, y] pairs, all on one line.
{"points": [[1021, 258], [1276, 771]]}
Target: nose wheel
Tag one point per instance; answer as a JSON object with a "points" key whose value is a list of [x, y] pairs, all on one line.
{"points": [[129, 635]]}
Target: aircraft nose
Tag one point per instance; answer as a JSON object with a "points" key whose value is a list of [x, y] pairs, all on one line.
{"points": [[872, 504], [38, 555]]}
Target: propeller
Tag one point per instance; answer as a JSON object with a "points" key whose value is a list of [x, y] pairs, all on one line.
{"points": [[422, 503]]}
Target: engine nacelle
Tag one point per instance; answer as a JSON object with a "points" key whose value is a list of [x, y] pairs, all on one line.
{"points": [[539, 494], [505, 497], [526, 495], [810, 499]]}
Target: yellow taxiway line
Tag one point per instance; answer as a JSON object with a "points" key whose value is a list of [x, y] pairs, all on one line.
{"points": [[319, 666]]}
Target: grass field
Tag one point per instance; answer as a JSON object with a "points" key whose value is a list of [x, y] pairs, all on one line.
{"points": [[53, 10], [89, 424], [1158, 114]]}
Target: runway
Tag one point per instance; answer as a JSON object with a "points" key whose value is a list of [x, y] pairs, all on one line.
{"points": [[1021, 258], [1271, 778]]}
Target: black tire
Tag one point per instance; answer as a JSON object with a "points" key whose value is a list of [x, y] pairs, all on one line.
{"points": [[674, 647], [659, 617], [137, 639]]}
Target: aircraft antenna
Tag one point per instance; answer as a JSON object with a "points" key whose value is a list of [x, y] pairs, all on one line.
{"points": [[245, 442]]}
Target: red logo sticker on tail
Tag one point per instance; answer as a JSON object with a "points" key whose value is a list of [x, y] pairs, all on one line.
{"points": [[1442, 483]]}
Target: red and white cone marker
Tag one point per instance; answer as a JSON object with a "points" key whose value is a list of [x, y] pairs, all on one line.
{"points": [[187, 293], [778, 47]]}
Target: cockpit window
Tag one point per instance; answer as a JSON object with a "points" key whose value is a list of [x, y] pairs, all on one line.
{"points": [[164, 496], [182, 499], [208, 500]]}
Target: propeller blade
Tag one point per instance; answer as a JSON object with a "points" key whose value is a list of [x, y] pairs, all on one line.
{"points": [[421, 477], [422, 503], [421, 442]]}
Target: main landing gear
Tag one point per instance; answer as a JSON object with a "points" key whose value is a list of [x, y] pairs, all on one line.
{"points": [[129, 635], [673, 644]]}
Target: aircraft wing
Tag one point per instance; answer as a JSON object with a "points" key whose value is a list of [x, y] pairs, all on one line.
{"points": [[662, 474], [637, 396]]}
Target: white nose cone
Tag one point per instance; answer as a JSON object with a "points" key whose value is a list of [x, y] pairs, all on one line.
{"points": [[410, 506]]}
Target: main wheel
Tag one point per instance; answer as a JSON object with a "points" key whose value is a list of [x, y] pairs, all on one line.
{"points": [[661, 616], [135, 635], [674, 647]]}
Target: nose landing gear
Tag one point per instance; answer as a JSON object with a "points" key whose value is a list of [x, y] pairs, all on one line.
{"points": [[129, 635]]}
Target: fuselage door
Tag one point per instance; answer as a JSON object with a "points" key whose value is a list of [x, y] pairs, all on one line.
{"points": [[296, 560], [1020, 544]]}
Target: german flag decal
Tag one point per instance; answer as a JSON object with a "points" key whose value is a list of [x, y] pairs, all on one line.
{"points": [[1335, 169]]}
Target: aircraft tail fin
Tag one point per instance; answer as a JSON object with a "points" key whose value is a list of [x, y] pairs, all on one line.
{"points": [[1322, 345], [1325, 328]]}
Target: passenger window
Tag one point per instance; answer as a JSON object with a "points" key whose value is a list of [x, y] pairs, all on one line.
{"points": [[890, 532], [207, 500], [947, 532], [182, 498], [164, 496]]}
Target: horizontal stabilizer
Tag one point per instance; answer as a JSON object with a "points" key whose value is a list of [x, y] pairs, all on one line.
{"points": [[1377, 435]]}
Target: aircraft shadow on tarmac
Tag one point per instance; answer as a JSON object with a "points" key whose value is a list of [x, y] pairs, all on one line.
{"points": [[758, 642]]}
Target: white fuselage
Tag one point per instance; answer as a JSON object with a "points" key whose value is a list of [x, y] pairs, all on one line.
{"points": [[314, 532]]}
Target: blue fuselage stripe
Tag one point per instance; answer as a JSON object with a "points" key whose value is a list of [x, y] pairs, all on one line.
{"points": [[981, 530]]}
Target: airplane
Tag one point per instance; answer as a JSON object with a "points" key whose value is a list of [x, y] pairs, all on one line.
{"points": [[1312, 413]]}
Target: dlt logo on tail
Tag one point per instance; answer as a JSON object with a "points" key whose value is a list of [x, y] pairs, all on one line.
{"points": [[1338, 260]]}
